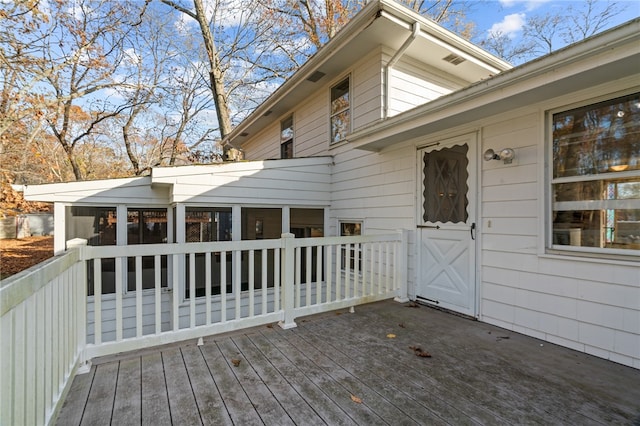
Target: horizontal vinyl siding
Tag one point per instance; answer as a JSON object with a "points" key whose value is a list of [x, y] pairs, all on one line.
{"points": [[132, 191], [266, 145], [293, 182], [366, 84], [411, 85], [378, 189], [593, 307]]}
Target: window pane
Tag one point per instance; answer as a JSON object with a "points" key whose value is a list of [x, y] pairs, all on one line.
{"points": [[340, 96], [95, 224], [286, 150], [204, 224], [146, 226], [339, 126], [598, 213], [598, 138], [286, 130]]}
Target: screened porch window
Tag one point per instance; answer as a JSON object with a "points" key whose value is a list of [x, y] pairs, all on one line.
{"points": [[596, 176]]}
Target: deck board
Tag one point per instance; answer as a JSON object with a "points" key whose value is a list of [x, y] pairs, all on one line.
{"points": [[478, 374], [154, 399], [127, 407]]}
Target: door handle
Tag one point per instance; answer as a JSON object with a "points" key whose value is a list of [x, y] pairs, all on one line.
{"points": [[429, 226], [473, 228]]}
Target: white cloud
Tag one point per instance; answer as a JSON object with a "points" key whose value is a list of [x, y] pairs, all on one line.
{"points": [[529, 5], [509, 26]]}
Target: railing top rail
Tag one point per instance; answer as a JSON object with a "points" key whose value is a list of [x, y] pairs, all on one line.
{"points": [[99, 252], [328, 241], [17, 288]]}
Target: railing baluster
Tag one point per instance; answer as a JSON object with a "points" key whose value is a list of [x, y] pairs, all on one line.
{"points": [[365, 276], [308, 274], [176, 291], [276, 280], [264, 284], [97, 301], [318, 282], [379, 268], [356, 269], [192, 290], [138, 296], [120, 268], [328, 274], [387, 263], [339, 252], [223, 286], [207, 286], [157, 269], [252, 268], [297, 298], [237, 281]]}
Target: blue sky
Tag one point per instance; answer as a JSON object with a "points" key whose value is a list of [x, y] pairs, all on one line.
{"points": [[508, 17]]}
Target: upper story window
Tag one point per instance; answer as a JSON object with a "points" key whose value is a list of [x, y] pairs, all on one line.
{"points": [[340, 111], [286, 137], [595, 179]]}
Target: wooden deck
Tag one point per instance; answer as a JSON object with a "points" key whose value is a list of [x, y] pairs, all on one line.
{"points": [[343, 368]]}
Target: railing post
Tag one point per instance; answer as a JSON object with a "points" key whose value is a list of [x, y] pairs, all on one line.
{"points": [[80, 297], [401, 265], [287, 280]]}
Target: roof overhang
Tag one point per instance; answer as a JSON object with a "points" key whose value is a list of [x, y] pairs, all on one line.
{"points": [[610, 56], [380, 23]]}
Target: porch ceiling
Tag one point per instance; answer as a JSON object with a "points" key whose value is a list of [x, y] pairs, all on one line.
{"points": [[349, 368]]}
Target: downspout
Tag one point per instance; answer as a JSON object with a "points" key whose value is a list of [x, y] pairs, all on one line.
{"points": [[392, 62]]}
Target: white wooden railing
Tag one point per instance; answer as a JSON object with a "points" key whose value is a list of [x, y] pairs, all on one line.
{"points": [[146, 295], [42, 338]]}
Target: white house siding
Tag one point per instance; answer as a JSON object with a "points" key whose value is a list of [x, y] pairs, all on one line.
{"points": [[367, 88], [587, 304], [412, 84], [131, 191], [260, 150], [276, 182], [377, 188]]}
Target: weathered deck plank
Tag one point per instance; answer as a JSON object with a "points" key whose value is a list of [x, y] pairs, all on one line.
{"points": [[154, 399], [182, 402], [212, 409], [233, 395], [291, 401], [478, 374], [127, 407]]}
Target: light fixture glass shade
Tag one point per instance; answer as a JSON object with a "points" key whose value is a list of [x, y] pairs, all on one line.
{"points": [[489, 155], [507, 155]]}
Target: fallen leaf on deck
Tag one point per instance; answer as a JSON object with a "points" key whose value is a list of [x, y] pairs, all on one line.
{"points": [[401, 325], [235, 362], [356, 399], [391, 336], [498, 338], [412, 305], [417, 350], [269, 325]]}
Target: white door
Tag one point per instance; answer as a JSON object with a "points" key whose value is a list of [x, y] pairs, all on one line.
{"points": [[446, 224]]}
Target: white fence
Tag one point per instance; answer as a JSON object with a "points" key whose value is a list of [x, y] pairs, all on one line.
{"points": [[95, 301], [42, 338]]}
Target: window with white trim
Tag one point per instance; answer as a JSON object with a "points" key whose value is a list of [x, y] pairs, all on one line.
{"points": [[595, 177], [351, 257], [340, 111]]}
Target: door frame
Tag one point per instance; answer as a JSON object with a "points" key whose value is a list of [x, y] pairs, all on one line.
{"points": [[473, 139]]}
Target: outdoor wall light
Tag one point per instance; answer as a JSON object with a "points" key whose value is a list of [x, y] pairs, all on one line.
{"points": [[506, 154]]}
